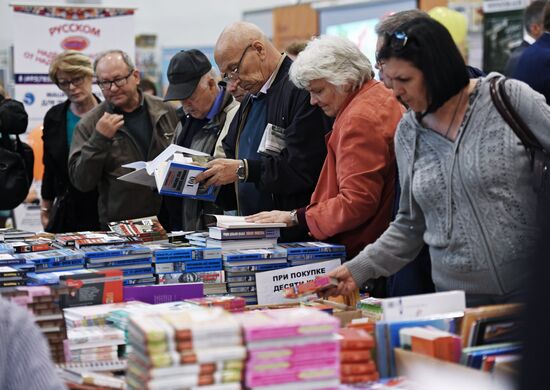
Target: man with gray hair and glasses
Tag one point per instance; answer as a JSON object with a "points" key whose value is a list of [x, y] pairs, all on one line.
{"points": [[128, 126]]}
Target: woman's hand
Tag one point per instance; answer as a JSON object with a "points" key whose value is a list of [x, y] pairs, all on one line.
{"points": [[271, 216], [346, 283]]}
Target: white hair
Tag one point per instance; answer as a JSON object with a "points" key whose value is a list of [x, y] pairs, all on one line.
{"points": [[334, 59]]}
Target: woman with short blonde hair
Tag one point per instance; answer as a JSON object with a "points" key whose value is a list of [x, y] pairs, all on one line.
{"points": [[72, 210]]}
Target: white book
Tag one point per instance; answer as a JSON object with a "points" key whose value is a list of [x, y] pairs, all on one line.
{"points": [[236, 222]]}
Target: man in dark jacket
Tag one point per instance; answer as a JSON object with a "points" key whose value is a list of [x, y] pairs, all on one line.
{"points": [[275, 147], [533, 67], [128, 126], [209, 109], [532, 22]]}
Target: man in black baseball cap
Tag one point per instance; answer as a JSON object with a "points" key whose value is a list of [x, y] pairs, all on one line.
{"points": [[208, 110], [184, 72]]}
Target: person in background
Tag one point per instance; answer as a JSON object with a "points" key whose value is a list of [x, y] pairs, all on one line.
{"points": [[209, 111], [280, 173], [534, 64], [295, 48], [128, 126], [72, 72], [532, 22], [148, 86], [466, 180], [353, 200], [25, 361]]}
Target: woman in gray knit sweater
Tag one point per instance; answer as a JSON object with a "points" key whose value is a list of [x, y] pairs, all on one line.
{"points": [[466, 178]]}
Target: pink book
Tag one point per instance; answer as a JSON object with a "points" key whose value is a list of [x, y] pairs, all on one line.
{"points": [[284, 323], [294, 353], [275, 377]]}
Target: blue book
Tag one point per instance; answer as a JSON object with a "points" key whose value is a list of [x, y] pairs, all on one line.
{"points": [[299, 248], [102, 251], [178, 179]]}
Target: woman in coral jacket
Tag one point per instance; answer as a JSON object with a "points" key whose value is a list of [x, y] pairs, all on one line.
{"points": [[353, 200]]}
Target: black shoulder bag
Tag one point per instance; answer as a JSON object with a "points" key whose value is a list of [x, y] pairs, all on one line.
{"points": [[540, 158]]}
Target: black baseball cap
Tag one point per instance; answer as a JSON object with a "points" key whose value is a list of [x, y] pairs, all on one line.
{"points": [[184, 72]]}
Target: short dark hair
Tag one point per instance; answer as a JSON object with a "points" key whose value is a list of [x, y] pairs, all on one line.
{"points": [[430, 48], [533, 14], [546, 19]]}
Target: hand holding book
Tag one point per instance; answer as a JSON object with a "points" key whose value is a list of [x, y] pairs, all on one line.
{"points": [[271, 216], [346, 283]]}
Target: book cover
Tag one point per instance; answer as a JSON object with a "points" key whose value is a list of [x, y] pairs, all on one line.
{"points": [[473, 314], [93, 288]]}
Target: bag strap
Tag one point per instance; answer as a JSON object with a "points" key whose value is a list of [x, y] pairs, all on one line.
{"points": [[504, 106]]}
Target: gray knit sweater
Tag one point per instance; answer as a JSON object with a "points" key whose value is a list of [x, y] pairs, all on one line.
{"points": [[24, 355], [470, 200]]}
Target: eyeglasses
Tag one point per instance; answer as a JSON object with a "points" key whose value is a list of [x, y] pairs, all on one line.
{"points": [[77, 82], [234, 74], [398, 40], [106, 85]]}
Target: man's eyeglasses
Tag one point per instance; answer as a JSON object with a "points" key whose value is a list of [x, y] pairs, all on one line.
{"points": [[398, 40], [234, 74], [65, 84], [106, 85]]}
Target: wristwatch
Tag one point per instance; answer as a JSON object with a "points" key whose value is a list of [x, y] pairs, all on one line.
{"points": [[294, 217], [241, 171]]}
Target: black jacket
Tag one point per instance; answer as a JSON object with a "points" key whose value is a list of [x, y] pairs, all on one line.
{"points": [[290, 177], [55, 181]]}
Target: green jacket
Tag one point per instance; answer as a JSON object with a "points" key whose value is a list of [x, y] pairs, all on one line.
{"points": [[96, 161]]}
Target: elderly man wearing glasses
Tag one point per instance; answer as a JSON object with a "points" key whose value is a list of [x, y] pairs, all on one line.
{"points": [[275, 147], [128, 126]]}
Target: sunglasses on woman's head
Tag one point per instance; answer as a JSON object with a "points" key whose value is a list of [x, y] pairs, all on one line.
{"points": [[398, 40]]}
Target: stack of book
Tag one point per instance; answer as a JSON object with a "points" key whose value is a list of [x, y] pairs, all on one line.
{"points": [[177, 264], [37, 245], [12, 276], [54, 260], [82, 239], [291, 349], [186, 348], [146, 229], [12, 234], [42, 301], [86, 344], [233, 232], [135, 261], [242, 265], [357, 364], [301, 253]]}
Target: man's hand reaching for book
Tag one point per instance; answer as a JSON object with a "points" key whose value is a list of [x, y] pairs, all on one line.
{"points": [[220, 171], [346, 283]]}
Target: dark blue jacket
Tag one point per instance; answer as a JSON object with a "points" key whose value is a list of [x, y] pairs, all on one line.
{"points": [[534, 66]]}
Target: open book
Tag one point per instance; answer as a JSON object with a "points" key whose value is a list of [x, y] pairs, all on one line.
{"points": [[173, 173], [235, 222]]}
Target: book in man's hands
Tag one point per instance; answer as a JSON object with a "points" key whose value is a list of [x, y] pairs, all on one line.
{"points": [[173, 173]]}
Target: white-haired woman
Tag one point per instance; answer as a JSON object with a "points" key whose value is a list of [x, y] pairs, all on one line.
{"points": [[353, 199], [72, 72]]}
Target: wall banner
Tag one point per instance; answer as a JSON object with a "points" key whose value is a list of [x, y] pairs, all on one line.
{"points": [[42, 32]]}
